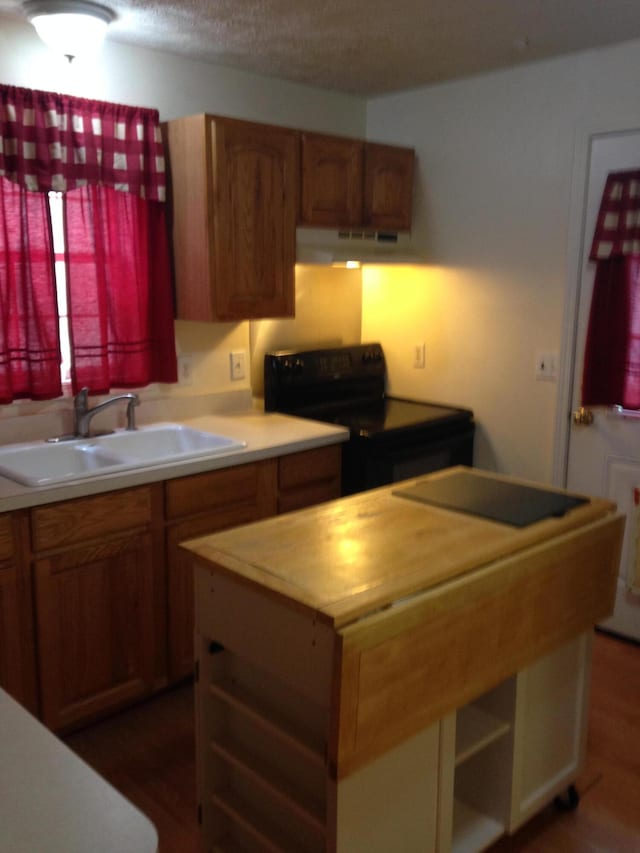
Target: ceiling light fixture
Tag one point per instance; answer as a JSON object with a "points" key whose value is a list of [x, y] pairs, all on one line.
{"points": [[71, 27]]}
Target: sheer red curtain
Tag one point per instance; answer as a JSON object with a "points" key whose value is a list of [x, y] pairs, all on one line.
{"points": [[111, 157], [119, 289], [611, 373], [29, 342]]}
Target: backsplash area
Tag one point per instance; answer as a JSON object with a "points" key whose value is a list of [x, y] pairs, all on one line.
{"points": [[328, 312]]}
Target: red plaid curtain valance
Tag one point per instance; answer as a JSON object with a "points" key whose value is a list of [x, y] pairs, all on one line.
{"points": [[58, 142], [617, 231]]}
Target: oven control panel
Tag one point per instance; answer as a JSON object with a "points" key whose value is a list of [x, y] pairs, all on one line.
{"points": [[292, 377]]}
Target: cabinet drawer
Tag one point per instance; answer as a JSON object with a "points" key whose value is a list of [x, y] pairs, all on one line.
{"points": [[6, 538], [310, 466], [77, 521], [223, 490], [308, 478]]}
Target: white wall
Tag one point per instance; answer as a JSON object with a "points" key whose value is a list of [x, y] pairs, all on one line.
{"points": [[492, 211]]}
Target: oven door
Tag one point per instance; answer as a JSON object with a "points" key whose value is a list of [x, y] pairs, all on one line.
{"points": [[369, 462]]}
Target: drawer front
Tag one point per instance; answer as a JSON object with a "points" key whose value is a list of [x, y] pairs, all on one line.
{"points": [[309, 478], [310, 466], [6, 538], [78, 521], [223, 490]]}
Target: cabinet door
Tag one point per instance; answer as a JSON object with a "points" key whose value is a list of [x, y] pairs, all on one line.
{"points": [[388, 186], [550, 727], [255, 202], [392, 802], [17, 664], [94, 612], [202, 504], [332, 169]]}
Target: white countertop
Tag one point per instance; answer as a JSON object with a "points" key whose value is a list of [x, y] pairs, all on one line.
{"points": [[266, 435], [52, 802]]}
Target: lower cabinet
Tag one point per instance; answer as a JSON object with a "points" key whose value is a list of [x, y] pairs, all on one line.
{"points": [[103, 585], [17, 660], [95, 575]]}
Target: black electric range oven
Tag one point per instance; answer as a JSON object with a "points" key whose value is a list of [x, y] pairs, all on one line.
{"points": [[391, 439]]}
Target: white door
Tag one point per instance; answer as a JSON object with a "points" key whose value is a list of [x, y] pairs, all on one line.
{"points": [[604, 457]]}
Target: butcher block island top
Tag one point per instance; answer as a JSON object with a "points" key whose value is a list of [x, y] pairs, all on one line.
{"points": [[348, 558]]}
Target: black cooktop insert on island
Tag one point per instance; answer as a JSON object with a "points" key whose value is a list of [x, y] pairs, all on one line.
{"points": [[391, 439]]}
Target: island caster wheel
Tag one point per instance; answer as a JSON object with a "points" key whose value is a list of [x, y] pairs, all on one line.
{"points": [[568, 801]]}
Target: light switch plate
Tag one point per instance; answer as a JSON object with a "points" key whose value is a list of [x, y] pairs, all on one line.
{"points": [[237, 365]]}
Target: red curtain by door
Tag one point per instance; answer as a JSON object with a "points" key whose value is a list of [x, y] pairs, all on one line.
{"points": [[611, 374], [612, 353], [119, 290], [29, 342]]}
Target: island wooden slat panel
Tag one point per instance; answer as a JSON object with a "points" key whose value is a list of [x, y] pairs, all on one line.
{"points": [[403, 670]]}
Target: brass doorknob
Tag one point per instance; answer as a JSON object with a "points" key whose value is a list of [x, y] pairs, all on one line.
{"points": [[583, 417]]}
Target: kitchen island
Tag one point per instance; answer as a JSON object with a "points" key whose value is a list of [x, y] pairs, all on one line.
{"points": [[382, 672]]}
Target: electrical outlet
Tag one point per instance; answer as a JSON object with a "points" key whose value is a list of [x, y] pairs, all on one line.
{"points": [[236, 364], [419, 355], [546, 366], [185, 368]]}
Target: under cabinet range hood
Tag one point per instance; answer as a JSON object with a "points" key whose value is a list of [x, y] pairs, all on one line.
{"points": [[346, 248]]}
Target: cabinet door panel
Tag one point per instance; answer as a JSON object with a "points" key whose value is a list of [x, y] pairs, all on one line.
{"points": [[255, 203], [550, 727], [388, 186], [331, 181], [17, 661], [17, 672], [94, 610]]}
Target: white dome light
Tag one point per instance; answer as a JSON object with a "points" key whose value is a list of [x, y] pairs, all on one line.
{"points": [[71, 27]]}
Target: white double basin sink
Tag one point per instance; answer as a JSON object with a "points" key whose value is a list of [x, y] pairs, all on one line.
{"points": [[42, 463]]}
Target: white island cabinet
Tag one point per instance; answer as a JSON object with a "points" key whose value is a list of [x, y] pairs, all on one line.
{"points": [[379, 673]]}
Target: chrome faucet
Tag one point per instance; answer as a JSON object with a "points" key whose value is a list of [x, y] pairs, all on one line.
{"points": [[83, 414]]}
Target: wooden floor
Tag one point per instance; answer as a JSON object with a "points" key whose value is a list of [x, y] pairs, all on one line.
{"points": [[148, 754]]}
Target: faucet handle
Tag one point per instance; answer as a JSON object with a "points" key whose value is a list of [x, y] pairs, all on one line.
{"points": [[81, 400], [134, 401]]}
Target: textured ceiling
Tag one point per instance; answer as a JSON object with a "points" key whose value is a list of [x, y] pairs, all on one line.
{"points": [[369, 47]]}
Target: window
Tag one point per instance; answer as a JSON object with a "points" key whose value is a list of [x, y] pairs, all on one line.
{"points": [[82, 189], [55, 210]]}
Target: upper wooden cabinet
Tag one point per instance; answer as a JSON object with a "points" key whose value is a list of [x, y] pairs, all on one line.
{"points": [[350, 183], [388, 186], [331, 192], [234, 202]]}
